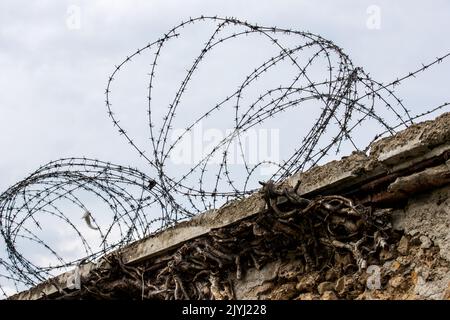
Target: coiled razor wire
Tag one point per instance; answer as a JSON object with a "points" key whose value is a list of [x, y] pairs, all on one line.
{"points": [[57, 201]]}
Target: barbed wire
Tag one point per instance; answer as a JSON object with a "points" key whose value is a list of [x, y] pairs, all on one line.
{"points": [[119, 203], [30, 208]]}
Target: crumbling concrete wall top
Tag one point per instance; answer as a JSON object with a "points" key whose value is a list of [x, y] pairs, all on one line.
{"points": [[407, 175]]}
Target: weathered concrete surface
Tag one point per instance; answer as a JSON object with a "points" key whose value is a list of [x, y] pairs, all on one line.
{"points": [[429, 178], [332, 174], [416, 272], [428, 214], [55, 285], [418, 138], [257, 282], [416, 144], [197, 226], [411, 161]]}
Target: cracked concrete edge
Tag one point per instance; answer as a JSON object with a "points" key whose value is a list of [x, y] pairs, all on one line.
{"points": [[415, 139], [417, 143], [55, 285], [414, 144], [197, 226], [430, 177]]}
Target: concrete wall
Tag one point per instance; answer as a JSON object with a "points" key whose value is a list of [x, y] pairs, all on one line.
{"points": [[409, 172], [420, 269]]}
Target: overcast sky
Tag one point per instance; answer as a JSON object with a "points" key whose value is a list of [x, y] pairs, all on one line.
{"points": [[53, 73], [53, 77]]}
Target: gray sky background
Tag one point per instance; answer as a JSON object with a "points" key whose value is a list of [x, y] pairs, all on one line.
{"points": [[52, 78]]}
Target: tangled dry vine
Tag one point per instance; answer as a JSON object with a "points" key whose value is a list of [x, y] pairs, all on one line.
{"points": [[133, 204], [316, 233]]}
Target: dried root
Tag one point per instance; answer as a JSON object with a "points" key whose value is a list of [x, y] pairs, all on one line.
{"points": [[317, 231]]}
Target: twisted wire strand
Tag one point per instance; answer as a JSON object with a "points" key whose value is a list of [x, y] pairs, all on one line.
{"points": [[123, 204]]}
